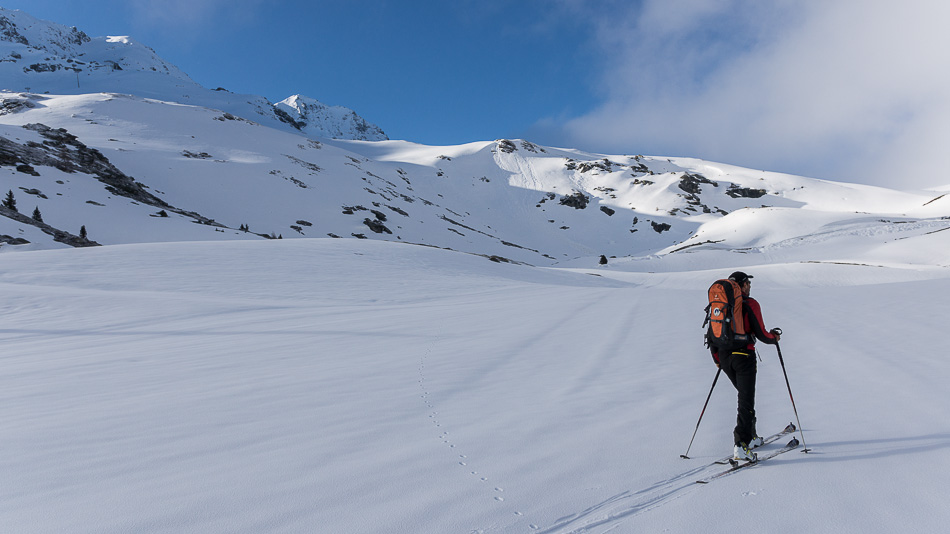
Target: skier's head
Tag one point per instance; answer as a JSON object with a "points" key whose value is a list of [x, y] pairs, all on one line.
{"points": [[744, 280]]}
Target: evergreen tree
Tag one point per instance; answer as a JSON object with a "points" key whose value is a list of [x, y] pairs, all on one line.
{"points": [[9, 201], [82, 233], [37, 216]]}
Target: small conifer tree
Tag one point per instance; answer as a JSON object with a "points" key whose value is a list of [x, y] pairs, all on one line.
{"points": [[82, 233], [37, 216], [10, 201]]}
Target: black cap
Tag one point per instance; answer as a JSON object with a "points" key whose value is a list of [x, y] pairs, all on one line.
{"points": [[739, 277]]}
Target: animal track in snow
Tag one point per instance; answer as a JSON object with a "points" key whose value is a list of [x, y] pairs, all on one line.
{"points": [[463, 459]]}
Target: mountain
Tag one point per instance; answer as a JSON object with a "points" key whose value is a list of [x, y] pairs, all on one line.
{"points": [[113, 163], [44, 57], [102, 133]]}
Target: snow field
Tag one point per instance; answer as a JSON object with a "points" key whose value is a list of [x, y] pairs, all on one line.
{"points": [[359, 386]]}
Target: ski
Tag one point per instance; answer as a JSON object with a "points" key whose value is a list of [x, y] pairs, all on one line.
{"points": [[765, 441], [793, 444]]}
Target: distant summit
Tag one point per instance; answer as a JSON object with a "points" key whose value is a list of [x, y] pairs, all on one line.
{"points": [[40, 56], [316, 118], [37, 56]]}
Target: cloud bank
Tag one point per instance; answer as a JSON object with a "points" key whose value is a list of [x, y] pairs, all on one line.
{"points": [[850, 90]]}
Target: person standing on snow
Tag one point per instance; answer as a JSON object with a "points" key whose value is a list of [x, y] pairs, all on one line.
{"points": [[740, 366]]}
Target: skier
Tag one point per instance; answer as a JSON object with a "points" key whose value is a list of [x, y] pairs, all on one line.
{"points": [[740, 366]]}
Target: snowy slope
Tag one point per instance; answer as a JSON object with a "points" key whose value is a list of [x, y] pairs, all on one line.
{"points": [[362, 386], [511, 199]]}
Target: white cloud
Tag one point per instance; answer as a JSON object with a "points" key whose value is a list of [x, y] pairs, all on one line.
{"points": [[845, 89]]}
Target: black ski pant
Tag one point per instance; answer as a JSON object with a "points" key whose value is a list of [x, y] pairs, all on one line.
{"points": [[740, 367]]}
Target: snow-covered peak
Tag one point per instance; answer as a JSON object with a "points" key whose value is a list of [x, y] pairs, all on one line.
{"points": [[317, 119], [44, 57], [19, 28]]}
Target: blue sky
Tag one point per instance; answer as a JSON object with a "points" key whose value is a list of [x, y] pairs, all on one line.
{"points": [[436, 72], [849, 90]]}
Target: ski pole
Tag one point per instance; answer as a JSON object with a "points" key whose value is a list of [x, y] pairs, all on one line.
{"points": [[701, 414], [782, 361]]}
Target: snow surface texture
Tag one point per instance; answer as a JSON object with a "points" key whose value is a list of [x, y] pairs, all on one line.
{"points": [[363, 386]]}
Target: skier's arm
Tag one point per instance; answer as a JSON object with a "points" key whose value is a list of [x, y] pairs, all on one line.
{"points": [[756, 324]]}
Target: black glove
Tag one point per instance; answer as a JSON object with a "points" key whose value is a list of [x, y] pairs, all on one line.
{"points": [[777, 332]]}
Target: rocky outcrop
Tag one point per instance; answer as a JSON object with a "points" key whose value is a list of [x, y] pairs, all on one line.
{"points": [[58, 235], [577, 200], [315, 118], [63, 150]]}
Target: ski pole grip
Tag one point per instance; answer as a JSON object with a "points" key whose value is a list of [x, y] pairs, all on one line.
{"points": [[777, 331]]}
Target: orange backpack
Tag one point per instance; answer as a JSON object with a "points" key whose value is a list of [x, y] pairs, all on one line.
{"points": [[724, 316]]}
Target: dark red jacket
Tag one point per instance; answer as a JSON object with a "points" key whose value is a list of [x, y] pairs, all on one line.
{"points": [[754, 324]]}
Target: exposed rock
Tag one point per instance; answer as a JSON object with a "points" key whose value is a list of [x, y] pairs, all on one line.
{"points": [[603, 165], [350, 210], [690, 183], [506, 146], [376, 225], [745, 192], [531, 147], [13, 240], [13, 105], [577, 200], [398, 210], [58, 235], [34, 192], [27, 169], [305, 164]]}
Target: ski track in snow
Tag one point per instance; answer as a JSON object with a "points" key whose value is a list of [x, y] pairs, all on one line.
{"points": [[612, 512]]}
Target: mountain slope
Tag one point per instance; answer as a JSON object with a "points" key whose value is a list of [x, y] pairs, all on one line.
{"points": [[510, 199]]}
